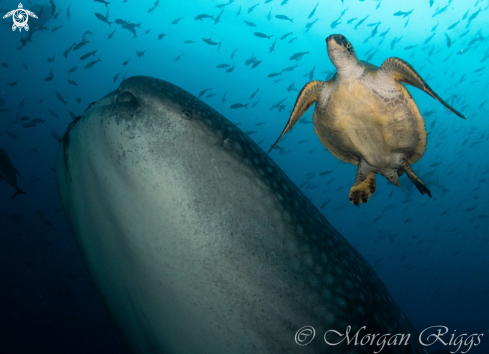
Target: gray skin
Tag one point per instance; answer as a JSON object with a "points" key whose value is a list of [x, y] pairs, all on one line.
{"points": [[365, 116], [198, 243], [9, 173]]}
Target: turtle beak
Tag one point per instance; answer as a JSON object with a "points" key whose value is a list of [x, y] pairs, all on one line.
{"points": [[337, 38]]}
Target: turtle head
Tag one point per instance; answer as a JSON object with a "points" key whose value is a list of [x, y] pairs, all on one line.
{"points": [[341, 52]]}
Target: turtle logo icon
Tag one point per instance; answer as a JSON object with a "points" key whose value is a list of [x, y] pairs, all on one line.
{"points": [[20, 17]]}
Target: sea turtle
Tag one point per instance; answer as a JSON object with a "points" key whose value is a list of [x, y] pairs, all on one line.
{"points": [[20, 17], [365, 116]]}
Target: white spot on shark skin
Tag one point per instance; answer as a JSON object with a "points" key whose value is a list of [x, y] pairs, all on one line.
{"points": [[215, 167], [190, 263]]}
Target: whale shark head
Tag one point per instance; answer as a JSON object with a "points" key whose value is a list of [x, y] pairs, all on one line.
{"points": [[197, 242]]}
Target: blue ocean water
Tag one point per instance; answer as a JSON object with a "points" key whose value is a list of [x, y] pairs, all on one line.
{"points": [[432, 254]]}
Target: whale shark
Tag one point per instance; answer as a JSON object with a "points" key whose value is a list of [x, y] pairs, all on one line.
{"points": [[197, 242]]}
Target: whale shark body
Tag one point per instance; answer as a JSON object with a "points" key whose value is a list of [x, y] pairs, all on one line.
{"points": [[197, 242]]}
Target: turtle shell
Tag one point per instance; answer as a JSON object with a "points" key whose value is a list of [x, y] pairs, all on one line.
{"points": [[372, 118]]}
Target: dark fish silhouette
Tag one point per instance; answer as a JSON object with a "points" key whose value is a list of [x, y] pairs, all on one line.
{"points": [[218, 18], [85, 56], [250, 60], [283, 17], [211, 42], [360, 22], [238, 105], [112, 34], [81, 44], [449, 42], [252, 8], [272, 48], [71, 82], [179, 56], [56, 28], [60, 97], [73, 69], [115, 77], [255, 64], [313, 11], [262, 35], [254, 93], [92, 63], [53, 113], [311, 73], [102, 2], [102, 18], [50, 77], [453, 25], [204, 91], [151, 9], [37, 121], [290, 68], [403, 14], [53, 7], [200, 17], [309, 25], [9, 173], [286, 35], [175, 22], [129, 25], [298, 56], [67, 51], [56, 136]]}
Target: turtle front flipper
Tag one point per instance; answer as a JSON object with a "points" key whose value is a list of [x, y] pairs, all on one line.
{"points": [[363, 187], [401, 71], [415, 179], [309, 94]]}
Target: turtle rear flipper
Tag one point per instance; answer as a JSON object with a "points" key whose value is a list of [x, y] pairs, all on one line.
{"points": [[363, 187], [309, 95], [415, 179], [17, 192], [401, 71]]}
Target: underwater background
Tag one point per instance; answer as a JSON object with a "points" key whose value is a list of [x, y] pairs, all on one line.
{"points": [[431, 253]]}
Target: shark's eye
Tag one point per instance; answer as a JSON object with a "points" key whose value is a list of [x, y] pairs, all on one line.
{"points": [[186, 114], [90, 105], [125, 97]]}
